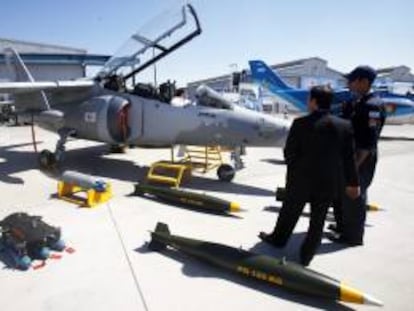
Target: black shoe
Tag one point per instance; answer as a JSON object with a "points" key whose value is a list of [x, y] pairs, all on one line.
{"points": [[304, 262], [334, 228], [268, 238], [337, 238]]}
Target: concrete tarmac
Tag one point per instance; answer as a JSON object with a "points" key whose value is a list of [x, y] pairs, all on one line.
{"points": [[111, 268]]}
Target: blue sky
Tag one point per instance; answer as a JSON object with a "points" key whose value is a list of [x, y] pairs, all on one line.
{"points": [[345, 33]]}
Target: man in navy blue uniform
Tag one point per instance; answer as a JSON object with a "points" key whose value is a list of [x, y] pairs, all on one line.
{"points": [[367, 116], [319, 152]]}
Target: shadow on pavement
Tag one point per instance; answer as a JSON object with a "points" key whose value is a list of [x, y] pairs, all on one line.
{"points": [[94, 161], [396, 138], [274, 161], [16, 162]]}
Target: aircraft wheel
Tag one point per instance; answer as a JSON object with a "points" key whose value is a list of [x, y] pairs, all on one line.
{"points": [[117, 148], [47, 160], [226, 172]]}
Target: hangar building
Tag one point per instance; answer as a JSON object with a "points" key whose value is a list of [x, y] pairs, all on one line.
{"points": [[299, 73], [397, 79], [48, 62], [304, 73]]}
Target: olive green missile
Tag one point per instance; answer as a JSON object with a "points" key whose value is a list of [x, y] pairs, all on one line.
{"points": [[191, 199], [261, 267]]}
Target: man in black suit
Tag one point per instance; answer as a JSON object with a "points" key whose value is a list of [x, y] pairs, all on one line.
{"points": [[319, 153]]}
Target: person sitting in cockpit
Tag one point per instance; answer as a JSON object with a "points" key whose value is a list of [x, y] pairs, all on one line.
{"points": [[180, 98]]}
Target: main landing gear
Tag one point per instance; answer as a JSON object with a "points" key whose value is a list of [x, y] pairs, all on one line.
{"points": [[226, 172], [50, 161]]}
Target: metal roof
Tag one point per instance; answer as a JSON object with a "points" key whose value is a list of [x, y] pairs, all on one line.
{"points": [[61, 59], [38, 48], [286, 65], [50, 54]]}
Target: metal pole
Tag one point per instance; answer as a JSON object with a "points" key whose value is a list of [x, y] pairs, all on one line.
{"points": [[155, 68]]}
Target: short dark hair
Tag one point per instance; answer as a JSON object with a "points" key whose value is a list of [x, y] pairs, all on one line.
{"points": [[362, 72], [179, 92], [323, 96]]}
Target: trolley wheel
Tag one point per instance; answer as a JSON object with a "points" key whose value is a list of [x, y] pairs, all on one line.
{"points": [[226, 172], [118, 148]]}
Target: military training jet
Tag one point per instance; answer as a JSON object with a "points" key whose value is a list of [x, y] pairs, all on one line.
{"points": [[114, 109]]}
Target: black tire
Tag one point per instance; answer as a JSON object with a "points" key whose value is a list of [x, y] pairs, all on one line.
{"points": [[13, 120], [226, 172], [117, 149], [47, 160]]}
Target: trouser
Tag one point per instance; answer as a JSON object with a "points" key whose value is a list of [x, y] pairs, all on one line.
{"points": [[289, 216], [354, 211], [337, 210]]}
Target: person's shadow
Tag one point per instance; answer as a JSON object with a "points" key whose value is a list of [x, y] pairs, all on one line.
{"points": [[276, 209], [13, 161], [396, 138], [296, 239], [274, 161]]}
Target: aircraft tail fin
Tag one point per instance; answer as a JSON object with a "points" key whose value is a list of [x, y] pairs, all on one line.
{"points": [[18, 72], [265, 75], [158, 236]]}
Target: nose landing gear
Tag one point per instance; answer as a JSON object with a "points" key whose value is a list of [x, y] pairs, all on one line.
{"points": [[49, 161]]}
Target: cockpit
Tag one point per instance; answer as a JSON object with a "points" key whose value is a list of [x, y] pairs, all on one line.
{"points": [[145, 48]]}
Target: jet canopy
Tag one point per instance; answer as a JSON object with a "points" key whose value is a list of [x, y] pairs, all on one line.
{"points": [[161, 36]]}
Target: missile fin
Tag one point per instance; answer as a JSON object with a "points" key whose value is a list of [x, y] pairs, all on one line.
{"points": [[157, 244]]}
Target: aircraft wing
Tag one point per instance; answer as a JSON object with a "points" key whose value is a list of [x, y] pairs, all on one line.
{"points": [[30, 95], [30, 87]]}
